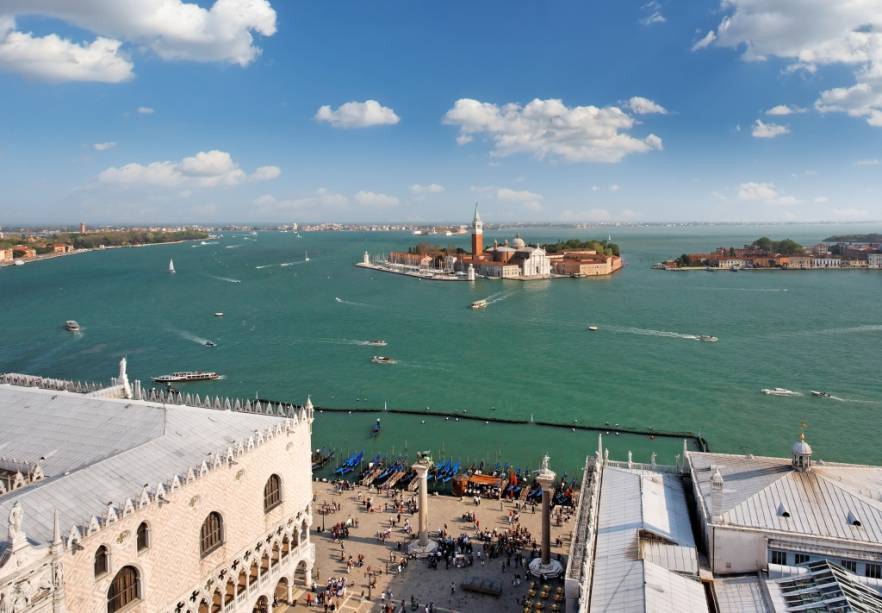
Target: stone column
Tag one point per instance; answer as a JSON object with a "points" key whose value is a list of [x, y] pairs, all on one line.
{"points": [[544, 567], [423, 546]]}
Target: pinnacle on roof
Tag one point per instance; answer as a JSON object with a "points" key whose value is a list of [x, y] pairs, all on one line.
{"points": [[477, 216]]}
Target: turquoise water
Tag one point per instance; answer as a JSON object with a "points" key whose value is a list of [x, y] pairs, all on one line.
{"points": [[284, 335]]}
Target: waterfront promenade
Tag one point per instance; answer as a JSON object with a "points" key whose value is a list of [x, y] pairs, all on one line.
{"points": [[417, 579]]}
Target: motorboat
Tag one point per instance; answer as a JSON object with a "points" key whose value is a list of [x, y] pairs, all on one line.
{"points": [[338, 299], [708, 339], [376, 342], [593, 328], [187, 377], [71, 326], [818, 394], [479, 304], [381, 359], [779, 391], [218, 314], [209, 343]]}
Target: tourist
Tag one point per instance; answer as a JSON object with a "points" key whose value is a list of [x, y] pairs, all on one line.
{"points": [[452, 588]]}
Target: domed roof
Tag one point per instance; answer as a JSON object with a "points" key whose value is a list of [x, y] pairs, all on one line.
{"points": [[518, 242], [800, 447]]}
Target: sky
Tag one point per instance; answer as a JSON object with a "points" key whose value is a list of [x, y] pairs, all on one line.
{"points": [[263, 111]]}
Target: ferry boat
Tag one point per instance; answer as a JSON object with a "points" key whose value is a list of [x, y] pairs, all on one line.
{"points": [[376, 342], [818, 394], [187, 376], [593, 328], [708, 339], [479, 304], [71, 326], [381, 359], [779, 391]]}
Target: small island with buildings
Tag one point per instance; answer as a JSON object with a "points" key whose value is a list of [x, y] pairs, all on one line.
{"points": [[849, 252], [515, 259]]}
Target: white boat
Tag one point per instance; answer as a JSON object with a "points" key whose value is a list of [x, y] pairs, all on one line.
{"points": [[593, 328], [18, 262], [71, 326], [375, 342], [337, 299], [779, 391], [171, 266], [708, 339], [381, 359], [209, 343], [818, 394], [479, 304], [305, 256], [186, 376]]}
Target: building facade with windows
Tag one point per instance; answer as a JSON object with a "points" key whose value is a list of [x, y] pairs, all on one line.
{"points": [[119, 499]]}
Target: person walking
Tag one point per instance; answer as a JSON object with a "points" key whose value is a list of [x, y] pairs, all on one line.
{"points": [[452, 588]]}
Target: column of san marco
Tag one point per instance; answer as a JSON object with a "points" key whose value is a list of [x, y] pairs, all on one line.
{"points": [[544, 567], [423, 546]]}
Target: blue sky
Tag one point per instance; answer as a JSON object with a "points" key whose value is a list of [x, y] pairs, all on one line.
{"points": [[167, 111]]}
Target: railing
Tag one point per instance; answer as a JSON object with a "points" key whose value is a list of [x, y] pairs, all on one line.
{"points": [[658, 468]]}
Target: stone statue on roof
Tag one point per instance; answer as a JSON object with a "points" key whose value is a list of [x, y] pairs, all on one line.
{"points": [[16, 517]]}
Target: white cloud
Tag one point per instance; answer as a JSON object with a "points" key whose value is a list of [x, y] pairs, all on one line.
{"points": [[357, 115], [550, 129], [768, 130], [781, 110], [375, 199], [849, 214], [595, 188], [645, 106], [321, 198], [764, 192], [530, 200], [872, 162], [615, 187], [172, 29], [420, 190], [144, 110], [821, 200], [652, 13], [205, 169], [52, 58], [812, 33], [103, 146], [705, 41]]}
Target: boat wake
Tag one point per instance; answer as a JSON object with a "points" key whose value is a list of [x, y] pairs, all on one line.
{"points": [[743, 289], [264, 266], [233, 246], [339, 300], [498, 297], [650, 332], [849, 330], [227, 279], [191, 337]]}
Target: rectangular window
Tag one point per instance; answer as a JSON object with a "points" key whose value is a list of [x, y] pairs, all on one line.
{"points": [[849, 565], [778, 557], [873, 571], [800, 558]]}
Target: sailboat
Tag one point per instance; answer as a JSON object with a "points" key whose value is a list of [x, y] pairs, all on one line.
{"points": [[305, 256], [171, 266]]}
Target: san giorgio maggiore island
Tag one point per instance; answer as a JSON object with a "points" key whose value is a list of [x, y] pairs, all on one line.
{"points": [[511, 260], [117, 497]]}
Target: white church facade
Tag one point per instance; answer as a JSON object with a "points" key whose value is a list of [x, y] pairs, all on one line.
{"points": [[151, 503]]}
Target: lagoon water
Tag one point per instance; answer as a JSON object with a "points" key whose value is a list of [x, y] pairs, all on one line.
{"points": [[285, 334]]}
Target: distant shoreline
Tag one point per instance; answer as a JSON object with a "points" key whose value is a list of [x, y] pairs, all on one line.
{"points": [[52, 256]]}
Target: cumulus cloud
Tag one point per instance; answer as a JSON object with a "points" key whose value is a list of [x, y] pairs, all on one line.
{"points": [[615, 187], [550, 129], [103, 146], [652, 13], [781, 110], [530, 200], [145, 110], [814, 33], [645, 106], [357, 115], [375, 199], [53, 58], [768, 130], [764, 192], [205, 169], [171, 29], [321, 198], [421, 190], [705, 41], [869, 162]]}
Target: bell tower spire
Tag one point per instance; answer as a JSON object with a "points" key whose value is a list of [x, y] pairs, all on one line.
{"points": [[477, 234]]}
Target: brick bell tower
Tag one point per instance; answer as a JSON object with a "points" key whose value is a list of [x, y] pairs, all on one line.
{"points": [[477, 234]]}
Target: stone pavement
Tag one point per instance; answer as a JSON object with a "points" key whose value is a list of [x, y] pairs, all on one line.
{"points": [[417, 580]]}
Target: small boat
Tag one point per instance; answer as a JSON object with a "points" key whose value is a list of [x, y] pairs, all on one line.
{"points": [[479, 304], [818, 394], [376, 342], [71, 326], [708, 339], [337, 299], [779, 391], [305, 256], [593, 328], [19, 262], [187, 376], [209, 343], [171, 266], [381, 359], [218, 314], [375, 429]]}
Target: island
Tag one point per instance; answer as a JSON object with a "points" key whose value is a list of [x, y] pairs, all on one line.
{"points": [[514, 259], [834, 253]]}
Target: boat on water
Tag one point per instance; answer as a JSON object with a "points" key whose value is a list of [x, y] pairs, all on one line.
{"points": [[376, 428], [818, 394], [305, 256], [338, 299], [593, 328], [18, 262], [171, 266], [376, 342], [71, 326], [218, 314], [708, 339], [187, 376], [209, 343], [779, 391], [381, 359], [479, 304]]}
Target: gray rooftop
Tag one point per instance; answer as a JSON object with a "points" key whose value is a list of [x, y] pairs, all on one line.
{"points": [[96, 451], [767, 493]]}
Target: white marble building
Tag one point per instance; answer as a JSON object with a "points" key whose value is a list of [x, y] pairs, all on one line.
{"points": [[162, 504]]}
